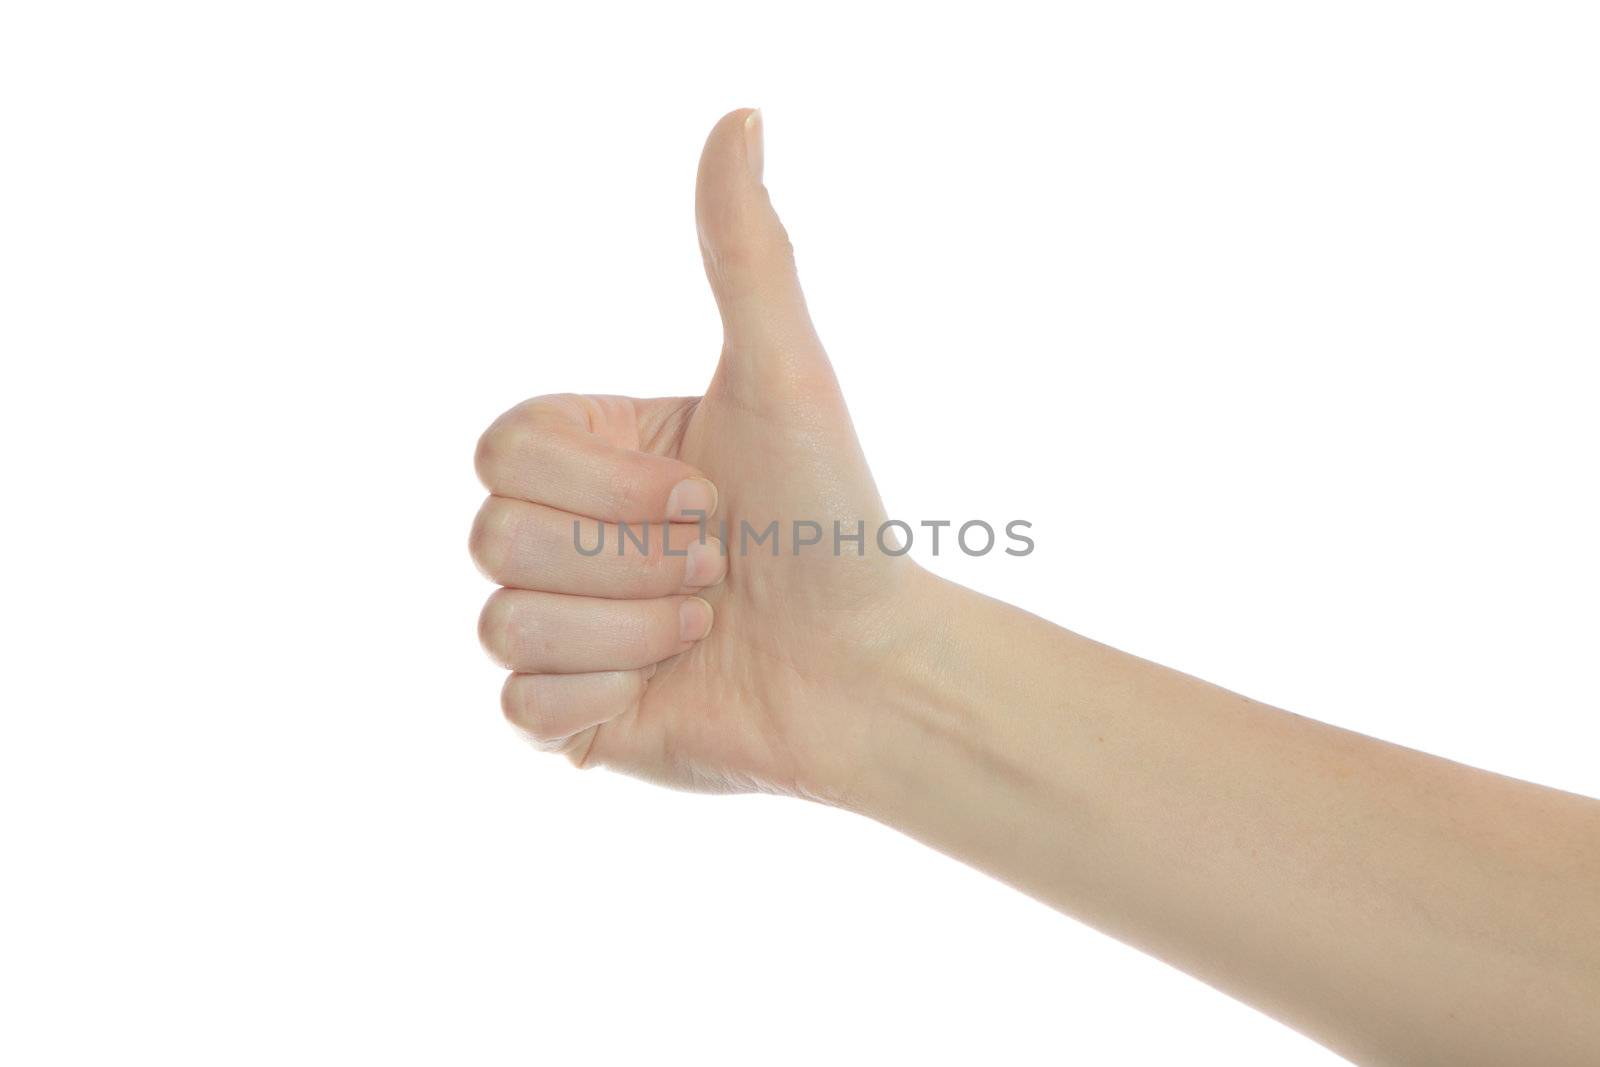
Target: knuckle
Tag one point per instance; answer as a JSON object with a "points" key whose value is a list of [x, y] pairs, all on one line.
{"points": [[508, 448], [635, 485], [632, 547], [622, 495], [515, 699], [654, 572], [523, 709], [490, 451], [564, 405], [665, 578], [499, 630], [642, 642], [492, 458], [493, 531]]}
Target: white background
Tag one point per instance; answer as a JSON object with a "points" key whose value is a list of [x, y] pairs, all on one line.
{"points": [[1278, 323]]}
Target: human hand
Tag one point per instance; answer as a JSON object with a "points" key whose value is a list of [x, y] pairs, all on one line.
{"points": [[718, 670], [1366, 892]]}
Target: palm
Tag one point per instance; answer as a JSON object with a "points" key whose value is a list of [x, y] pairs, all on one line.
{"points": [[729, 713]]}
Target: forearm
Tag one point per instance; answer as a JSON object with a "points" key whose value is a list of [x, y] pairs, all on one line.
{"points": [[1398, 907]]}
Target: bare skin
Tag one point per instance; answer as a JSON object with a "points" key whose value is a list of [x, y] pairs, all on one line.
{"points": [[1399, 908]]}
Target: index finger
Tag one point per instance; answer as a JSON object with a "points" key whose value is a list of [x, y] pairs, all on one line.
{"points": [[545, 451]]}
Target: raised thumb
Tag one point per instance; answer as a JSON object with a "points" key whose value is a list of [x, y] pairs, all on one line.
{"points": [[768, 340]]}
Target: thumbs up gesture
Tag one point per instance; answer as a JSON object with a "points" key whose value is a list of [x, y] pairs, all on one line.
{"points": [[696, 590]]}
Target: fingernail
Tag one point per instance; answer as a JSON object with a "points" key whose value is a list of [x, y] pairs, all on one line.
{"points": [[692, 494], [705, 564], [753, 151], [694, 619]]}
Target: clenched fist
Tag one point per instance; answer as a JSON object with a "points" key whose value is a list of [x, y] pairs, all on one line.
{"points": [[734, 663]]}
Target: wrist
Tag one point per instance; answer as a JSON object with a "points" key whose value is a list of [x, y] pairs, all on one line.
{"points": [[934, 703]]}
